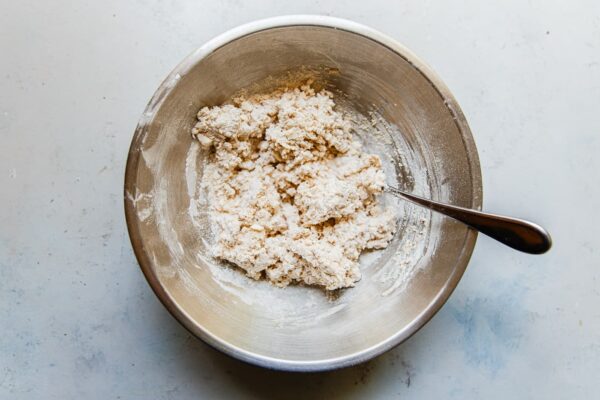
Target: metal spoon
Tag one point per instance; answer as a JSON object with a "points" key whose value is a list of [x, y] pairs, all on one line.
{"points": [[519, 234]]}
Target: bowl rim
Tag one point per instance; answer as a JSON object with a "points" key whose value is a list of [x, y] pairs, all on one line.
{"points": [[133, 159]]}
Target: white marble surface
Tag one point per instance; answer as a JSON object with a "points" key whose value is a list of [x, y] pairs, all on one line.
{"points": [[76, 315]]}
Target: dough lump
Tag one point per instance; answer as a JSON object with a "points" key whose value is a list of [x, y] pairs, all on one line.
{"points": [[292, 196]]}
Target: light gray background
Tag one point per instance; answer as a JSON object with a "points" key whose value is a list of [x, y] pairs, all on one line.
{"points": [[77, 318]]}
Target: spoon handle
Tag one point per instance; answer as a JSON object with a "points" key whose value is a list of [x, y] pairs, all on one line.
{"points": [[519, 234]]}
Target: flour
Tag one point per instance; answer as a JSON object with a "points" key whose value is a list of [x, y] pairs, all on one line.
{"points": [[292, 197]]}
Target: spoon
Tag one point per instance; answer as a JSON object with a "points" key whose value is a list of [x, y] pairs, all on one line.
{"points": [[519, 234]]}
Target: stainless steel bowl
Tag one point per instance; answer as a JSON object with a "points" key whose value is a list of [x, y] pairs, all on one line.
{"points": [[299, 328]]}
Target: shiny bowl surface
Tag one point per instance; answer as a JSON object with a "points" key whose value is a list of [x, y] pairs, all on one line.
{"points": [[301, 328]]}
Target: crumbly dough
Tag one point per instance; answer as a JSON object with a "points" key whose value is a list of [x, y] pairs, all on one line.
{"points": [[292, 196]]}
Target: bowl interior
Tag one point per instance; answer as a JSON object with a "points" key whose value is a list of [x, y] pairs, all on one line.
{"points": [[431, 153]]}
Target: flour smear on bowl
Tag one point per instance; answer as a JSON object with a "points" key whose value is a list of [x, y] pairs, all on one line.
{"points": [[292, 195]]}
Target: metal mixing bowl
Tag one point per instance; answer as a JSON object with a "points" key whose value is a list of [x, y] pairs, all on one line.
{"points": [[300, 328]]}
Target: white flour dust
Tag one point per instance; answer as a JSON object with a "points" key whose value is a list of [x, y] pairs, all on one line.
{"points": [[292, 196]]}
